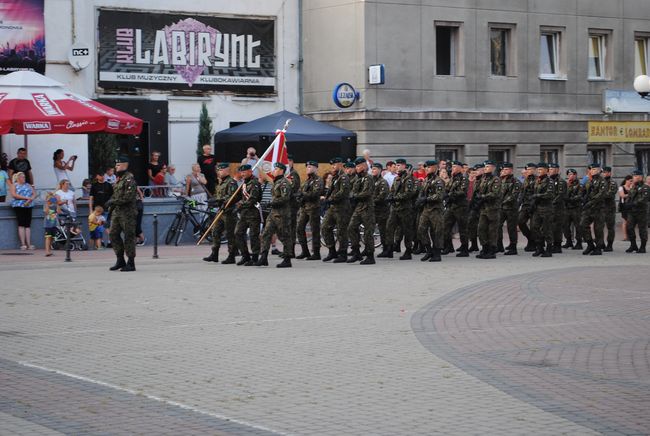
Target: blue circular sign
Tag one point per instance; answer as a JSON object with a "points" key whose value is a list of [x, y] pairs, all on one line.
{"points": [[344, 95]]}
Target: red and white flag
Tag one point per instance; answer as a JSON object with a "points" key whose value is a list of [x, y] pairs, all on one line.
{"points": [[277, 152]]}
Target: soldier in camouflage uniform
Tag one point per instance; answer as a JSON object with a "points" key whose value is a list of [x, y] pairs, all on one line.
{"points": [[361, 197], [559, 201], [279, 220], [457, 206], [542, 208], [637, 213], [337, 215], [511, 193], [489, 197], [123, 216], [309, 198], [249, 217], [474, 208], [294, 179], [401, 196], [380, 193], [526, 211], [432, 217], [225, 189], [573, 210], [609, 207], [592, 211]]}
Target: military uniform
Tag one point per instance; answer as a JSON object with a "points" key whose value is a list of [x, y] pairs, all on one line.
{"points": [[338, 198], [431, 223], [559, 201], [123, 220], [363, 212], [309, 196], [294, 180], [542, 222], [474, 214], [609, 211], [279, 220], [592, 213], [401, 214], [526, 211], [511, 193], [224, 190], [490, 215], [380, 193], [637, 216], [249, 219], [572, 214], [457, 209]]}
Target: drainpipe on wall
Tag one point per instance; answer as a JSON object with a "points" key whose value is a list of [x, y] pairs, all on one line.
{"points": [[300, 70]]}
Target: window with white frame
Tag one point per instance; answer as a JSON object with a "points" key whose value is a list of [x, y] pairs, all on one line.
{"points": [[641, 51], [550, 154], [597, 56], [597, 155], [448, 49], [643, 158], [549, 54]]}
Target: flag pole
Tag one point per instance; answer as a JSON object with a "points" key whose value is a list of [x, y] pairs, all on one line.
{"points": [[232, 197]]}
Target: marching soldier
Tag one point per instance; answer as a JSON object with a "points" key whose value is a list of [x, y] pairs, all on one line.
{"points": [[559, 200], [609, 207], [457, 206], [489, 197], [401, 214], [350, 170], [542, 210], [294, 179], [380, 194], [226, 188], [474, 206], [592, 211], [363, 213], [309, 199], [123, 216], [432, 218], [511, 192], [637, 212], [338, 198], [249, 217], [526, 211], [279, 220], [573, 210]]}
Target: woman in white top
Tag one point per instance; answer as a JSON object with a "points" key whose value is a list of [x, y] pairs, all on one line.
{"points": [[195, 186], [61, 167], [65, 198]]}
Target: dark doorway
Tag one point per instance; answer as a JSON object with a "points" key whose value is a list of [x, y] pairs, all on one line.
{"points": [[136, 147]]}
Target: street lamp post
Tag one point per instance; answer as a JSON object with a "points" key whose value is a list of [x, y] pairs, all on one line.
{"points": [[642, 86]]}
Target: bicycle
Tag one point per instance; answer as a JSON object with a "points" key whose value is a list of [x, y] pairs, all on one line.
{"points": [[188, 212]]}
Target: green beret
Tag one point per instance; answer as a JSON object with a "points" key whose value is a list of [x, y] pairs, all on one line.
{"points": [[377, 165], [431, 163], [312, 163], [400, 161], [637, 173], [456, 162], [479, 166], [508, 165], [542, 165], [553, 165], [359, 161], [122, 159], [594, 165], [489, 162], [290, 156], [223, 165], [348, 165], [531, 165], [571, 171], [607, 169], [335, 160], [245, 167], [280, 165]]}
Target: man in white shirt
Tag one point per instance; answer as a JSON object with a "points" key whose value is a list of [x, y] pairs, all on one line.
{"points": [[369, 161], [391, 173]]}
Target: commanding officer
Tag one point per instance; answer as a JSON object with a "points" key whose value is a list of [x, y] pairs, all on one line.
{"points": [[573, 210], [559, 200], [526, 212], [363, 212], [226, 188], [456, 212], [249, 217], [595, 192], [380, 192], [474, 206], [123, 216], [432, 218], [338, 199], [511, 192], [401, 214], [637, 212], [309, 199], [489, 197], [542, 207], [279, 220], [609, 207]]}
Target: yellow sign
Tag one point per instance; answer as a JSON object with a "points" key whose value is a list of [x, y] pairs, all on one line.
{"points": [[619, 131]]}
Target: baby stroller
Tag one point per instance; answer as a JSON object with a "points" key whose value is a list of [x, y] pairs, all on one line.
{"points": [[67, 223]]}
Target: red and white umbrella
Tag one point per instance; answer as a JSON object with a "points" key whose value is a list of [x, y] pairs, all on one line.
{"points": [[31, 103]]}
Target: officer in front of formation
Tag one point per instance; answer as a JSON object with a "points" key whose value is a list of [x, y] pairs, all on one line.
{"points": [[228, 207], [279, 220], [122, 207], [363, 213], [309, 199]]}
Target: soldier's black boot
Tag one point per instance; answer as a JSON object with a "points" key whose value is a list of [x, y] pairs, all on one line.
{"points": [[462, 251], [406, 255], [245, 258], [230, 259], [427, 255], [539, 250], [384, 252], [556, 248], [119, 264], [276, 252], [253, 261], [589, 249], [264, 259], [435, 255], [315, 255], [474, 246], [609, 248], [481, 253], [490, 252], [356, 256], [417, 249], [330, 255], [597, 251], [397, 248], [511, 250], [500, 248], [369, 260], [341, 257], [214, 255], [642, 247], [577, 245], [569, 244], [632, 247], [305, 252], [549, 251], [286, 262], [530, 246], [130, 265], [389, 251]]}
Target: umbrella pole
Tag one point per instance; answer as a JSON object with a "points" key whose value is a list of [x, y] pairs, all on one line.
{"points": [[26, 143]]}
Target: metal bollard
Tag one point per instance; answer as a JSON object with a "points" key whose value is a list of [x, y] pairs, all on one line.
{"points": [[155, 236], [68, 244]]}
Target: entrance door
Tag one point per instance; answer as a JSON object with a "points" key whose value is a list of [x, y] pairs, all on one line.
{"points": [[136, 147]]}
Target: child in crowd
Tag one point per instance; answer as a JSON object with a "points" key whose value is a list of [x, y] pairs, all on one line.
{"points": [[110, 176], [96, 222], [51, 213]]}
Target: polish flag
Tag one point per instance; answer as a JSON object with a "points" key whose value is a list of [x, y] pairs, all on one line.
{"points": [[277, 152]]}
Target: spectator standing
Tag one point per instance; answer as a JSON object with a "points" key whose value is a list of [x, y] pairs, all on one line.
{"points": [[154, 166], [61, 166], [66, 199], [50, 221], [195, 185], [23, 195], [4, 178], [369, 161], [251, 159], [208, 165], [159, 180], [109, 176], [21, 164], [420, 173], [100, 192], [391, 172], [171, 181]]}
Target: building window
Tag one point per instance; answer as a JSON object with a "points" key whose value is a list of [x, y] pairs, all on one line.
{"points": [[502, 56], [597, 56], [597, 155], [549, 155], [499, 154], [549, 54], [448, 49], [447, 154], [643, 159], [641, 55]]}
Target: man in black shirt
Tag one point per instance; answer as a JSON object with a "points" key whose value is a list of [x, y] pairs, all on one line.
{"points": [[20, 164], [100, 192], [208, 164]]}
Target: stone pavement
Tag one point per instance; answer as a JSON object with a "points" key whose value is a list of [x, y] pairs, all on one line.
{"points": [[323, 348]]}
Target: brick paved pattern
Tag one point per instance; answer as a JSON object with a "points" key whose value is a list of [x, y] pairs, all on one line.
{"points": [[574, 342]]}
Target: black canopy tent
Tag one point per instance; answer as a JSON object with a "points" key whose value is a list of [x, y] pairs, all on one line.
{"points": [[306, 139]]}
